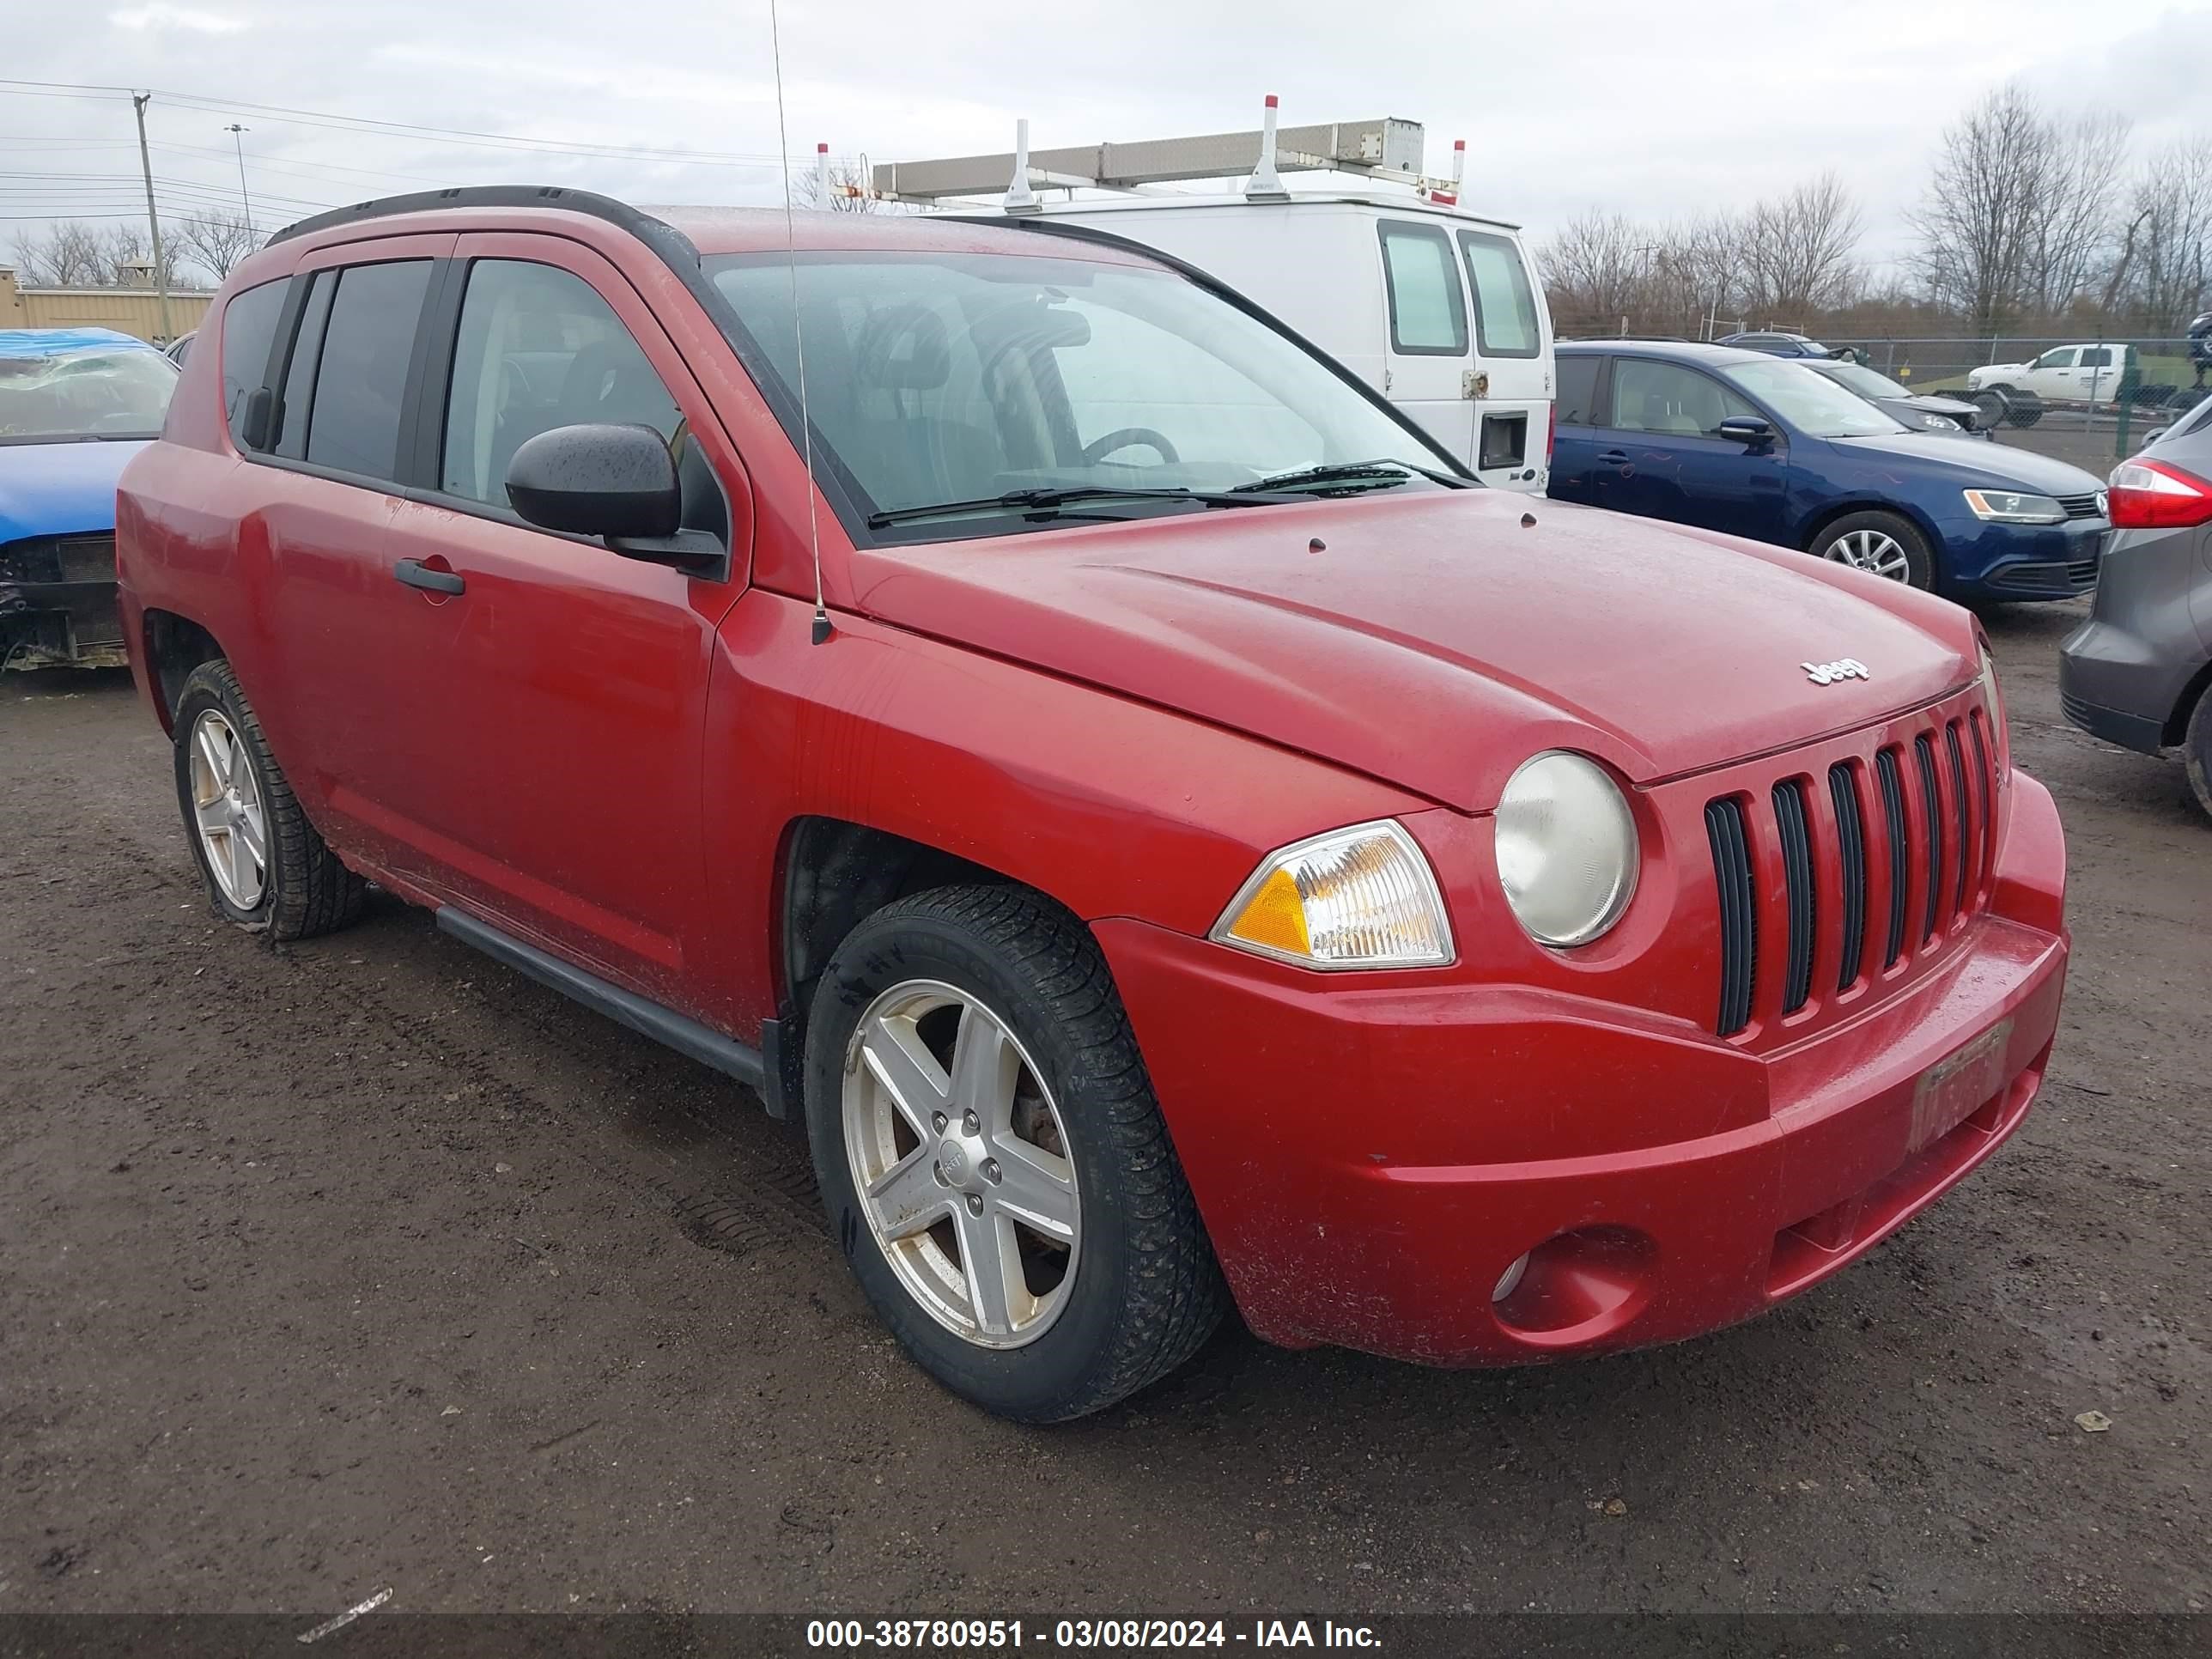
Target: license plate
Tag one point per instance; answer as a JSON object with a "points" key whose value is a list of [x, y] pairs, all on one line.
{"points": [[1958, 1086]]}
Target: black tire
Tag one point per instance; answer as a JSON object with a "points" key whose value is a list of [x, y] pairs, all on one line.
{"points": [[306, 890], [1146, 1290], [2026, 410], [1990, 405], [1919, 563], [2197, 751]]}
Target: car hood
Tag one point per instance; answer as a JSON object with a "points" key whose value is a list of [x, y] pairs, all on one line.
{"points": [[1994, 465], [1928, 403], [61, 488], [1436, 641]]}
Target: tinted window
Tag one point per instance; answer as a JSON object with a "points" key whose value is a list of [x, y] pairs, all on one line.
{"points": [[249, 329], [359, 385], [1427, 313], [1504, 305], [1577, 399], [300, 372], [2096, 358], [1679, 402], [537, 348]]}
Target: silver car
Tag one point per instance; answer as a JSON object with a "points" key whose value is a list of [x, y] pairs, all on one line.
{"points": [[2139, 672]]}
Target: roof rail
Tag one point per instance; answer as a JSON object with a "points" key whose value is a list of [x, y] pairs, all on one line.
{"points": [[638, 222]]}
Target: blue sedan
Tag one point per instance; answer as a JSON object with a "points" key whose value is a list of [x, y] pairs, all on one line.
{"points": [[1761, 447]]}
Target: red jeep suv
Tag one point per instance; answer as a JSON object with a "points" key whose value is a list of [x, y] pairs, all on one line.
{"points": [[1173, 837]]}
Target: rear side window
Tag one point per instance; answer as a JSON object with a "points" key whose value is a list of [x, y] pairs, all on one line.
{"points": [[362, 379], [1504, 305], [538, 348], [306, 350], [2096, 358], [1577, 398], [1428, 316], [249, 329]]}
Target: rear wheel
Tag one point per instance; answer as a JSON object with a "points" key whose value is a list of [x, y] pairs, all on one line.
{"points": [[993, 1161], [1881, 544], [265, 867], [2197, 751]]}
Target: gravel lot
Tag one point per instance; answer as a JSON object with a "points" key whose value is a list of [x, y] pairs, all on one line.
{"points": [[367, 1264]]}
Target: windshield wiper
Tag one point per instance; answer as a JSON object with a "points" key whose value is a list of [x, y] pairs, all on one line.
{"points": [[1349, 472], [1046, 501]]}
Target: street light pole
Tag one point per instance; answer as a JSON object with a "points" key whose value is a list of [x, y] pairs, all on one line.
{"points": [[236, 134]]}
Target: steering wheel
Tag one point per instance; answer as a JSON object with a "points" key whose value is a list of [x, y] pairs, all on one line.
{"points": [[1099, 449]]}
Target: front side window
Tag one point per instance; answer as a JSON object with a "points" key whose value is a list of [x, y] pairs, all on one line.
{"points": [[538, 348], [1809, 403], [66, 386], [2062, 358], [1428, 318], [939, 378], [1504, 304], [362, 379], [1669, 399], [249, 329]]}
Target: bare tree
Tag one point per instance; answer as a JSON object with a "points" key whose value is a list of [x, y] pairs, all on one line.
{"points": [[2018, 215], [216, 241], [68, 253], [1594, 271], [1798, 250], [2165, 256]]}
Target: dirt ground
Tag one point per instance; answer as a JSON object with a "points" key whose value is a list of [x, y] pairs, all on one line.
{"points": [[369, 1265]]}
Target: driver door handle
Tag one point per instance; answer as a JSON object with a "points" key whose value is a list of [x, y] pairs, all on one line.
{"points": [[415, 573], [1614, 458]]}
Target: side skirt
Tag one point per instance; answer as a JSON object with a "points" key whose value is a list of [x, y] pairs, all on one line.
{"points": [[680, 1031]]}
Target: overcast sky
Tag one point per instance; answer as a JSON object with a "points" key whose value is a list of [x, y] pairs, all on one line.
{"points": [[1654, 109]]}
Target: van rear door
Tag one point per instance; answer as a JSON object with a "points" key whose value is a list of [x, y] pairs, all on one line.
{"points": [[1430, 350], [1512, 386]]}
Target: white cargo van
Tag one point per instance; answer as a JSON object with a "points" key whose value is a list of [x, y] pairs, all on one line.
{"points": [[1437, 308]]}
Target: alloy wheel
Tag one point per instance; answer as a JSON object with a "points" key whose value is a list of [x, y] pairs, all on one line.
{"points": [[1872, 550], [961, 1163], [228, 812]]}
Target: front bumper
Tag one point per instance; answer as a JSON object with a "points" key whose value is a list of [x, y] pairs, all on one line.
{"points": [[1344, 1145], [57, 606], [2020, 562]]}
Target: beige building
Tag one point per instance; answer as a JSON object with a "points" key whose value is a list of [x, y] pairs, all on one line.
{"points": [[134, 310]]}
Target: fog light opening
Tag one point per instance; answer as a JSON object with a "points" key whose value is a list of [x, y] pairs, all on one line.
{"points": [[1509, 1281]]}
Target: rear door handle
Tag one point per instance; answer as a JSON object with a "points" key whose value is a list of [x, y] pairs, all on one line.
{"points": [[415, 573]]}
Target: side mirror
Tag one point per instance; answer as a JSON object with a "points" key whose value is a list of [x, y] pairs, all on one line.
{"points": [[1747, 429], [594, 480]]}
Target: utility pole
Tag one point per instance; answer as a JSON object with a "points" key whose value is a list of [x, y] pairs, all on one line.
{"points": [[138, 102], [236, 134]]}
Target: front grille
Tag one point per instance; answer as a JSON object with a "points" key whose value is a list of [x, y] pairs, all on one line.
{"points": [[1797, 874], [1901, 841], [1739, 911], [49, 559], [2083, 506]]}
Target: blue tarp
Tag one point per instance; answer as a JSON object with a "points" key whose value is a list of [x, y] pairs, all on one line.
{"points": [[52, 341]]}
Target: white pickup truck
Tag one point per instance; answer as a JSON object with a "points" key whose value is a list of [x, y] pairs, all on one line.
{"points": [[2087, 374]]}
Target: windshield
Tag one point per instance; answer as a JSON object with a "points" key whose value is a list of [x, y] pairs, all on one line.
{"points": [[84, 393], [943, 378], [1865, 381], [1809, 402]]}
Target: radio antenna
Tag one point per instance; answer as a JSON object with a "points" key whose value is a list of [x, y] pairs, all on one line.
{"points": [[799, 334]]}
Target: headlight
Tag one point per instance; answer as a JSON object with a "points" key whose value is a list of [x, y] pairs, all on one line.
{"points": [[2000, 727], [2005, 507], [1566, 848], [1361, 897], [1939, 423]]}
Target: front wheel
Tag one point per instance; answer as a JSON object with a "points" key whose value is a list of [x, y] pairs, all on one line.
{"points": [[1881, 544], [993, 1158]]}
